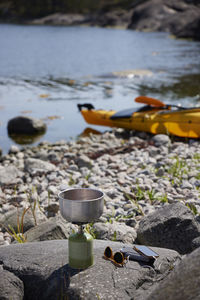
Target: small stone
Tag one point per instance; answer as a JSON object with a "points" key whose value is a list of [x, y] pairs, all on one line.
{"points": [[53, 189], [84, 161], [186, 185], [161, 139], [14, 149], [160, 172]]}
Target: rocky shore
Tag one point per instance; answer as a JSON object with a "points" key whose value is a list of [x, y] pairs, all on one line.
{"points": [[138, 173], [151, 186]]}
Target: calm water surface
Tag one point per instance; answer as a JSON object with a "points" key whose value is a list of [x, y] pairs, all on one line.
{"points": [[46, 71]]}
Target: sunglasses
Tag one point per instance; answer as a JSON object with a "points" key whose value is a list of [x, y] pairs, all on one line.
{"points": [[117, 258]]}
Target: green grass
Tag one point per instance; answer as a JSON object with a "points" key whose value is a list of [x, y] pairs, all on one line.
{"points": [[90, 229], [193, 208], [18, 235]]}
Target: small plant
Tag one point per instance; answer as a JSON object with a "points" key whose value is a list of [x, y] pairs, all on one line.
{"points": [[152, 195], [110, 220], [18, 235], [197, 176], [124, 217], [111, 216], [114, 238], [139, 194], [193, 208], [90, 229], [87, 177], [163, 198], [196, 156], [71, 181], [139, 209], [177, 169]]}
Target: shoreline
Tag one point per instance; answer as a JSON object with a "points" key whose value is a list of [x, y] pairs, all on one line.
{"points": [[151, 15]]}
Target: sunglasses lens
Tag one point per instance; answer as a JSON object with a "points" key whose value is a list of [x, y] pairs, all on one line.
{"points": [[118, 257], [108, 252]]}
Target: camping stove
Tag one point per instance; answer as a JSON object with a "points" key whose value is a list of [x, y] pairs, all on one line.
{"points": [[81, 206]]}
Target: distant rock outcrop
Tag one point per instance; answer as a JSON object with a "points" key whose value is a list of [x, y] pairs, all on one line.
{"points": [[181, 18]]}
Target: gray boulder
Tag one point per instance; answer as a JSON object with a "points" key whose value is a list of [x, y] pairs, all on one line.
{"points": [[25, 125], [11, 287], [115, 232], [183, 282], [53, 229], [173, 226], [43, 268]]}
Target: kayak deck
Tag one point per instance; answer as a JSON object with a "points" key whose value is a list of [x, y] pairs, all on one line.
{"points": [[181, 122]]}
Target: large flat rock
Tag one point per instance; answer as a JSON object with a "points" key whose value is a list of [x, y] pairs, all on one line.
{"points": [[43, 268], [183, 282]]}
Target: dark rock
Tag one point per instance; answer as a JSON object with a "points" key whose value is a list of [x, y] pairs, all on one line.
{"points": [[11, 287], [52, 209], [118, 17], [196, 243], [43, 268], [191, 29], [114, 18], [183, 282], [25, 125], [181, 18], [173, 226]]}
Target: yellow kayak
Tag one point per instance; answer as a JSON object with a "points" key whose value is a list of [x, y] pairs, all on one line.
{"points": [[153, 118]]}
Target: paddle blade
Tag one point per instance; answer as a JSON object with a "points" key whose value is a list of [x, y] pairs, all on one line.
{"points": [[149, 101]]}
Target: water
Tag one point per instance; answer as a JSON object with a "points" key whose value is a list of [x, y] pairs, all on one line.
{"points": [[45, 71]]}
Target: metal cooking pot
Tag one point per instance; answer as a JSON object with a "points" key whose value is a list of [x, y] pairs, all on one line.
{"points": [[81, 205]]}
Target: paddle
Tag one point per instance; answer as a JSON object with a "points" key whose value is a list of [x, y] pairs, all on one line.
{"points": [[149, 101], [156, 102]]}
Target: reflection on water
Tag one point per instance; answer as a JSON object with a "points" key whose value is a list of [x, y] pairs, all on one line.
{"points": [[23, 139], [87, 131], [184, 86]]}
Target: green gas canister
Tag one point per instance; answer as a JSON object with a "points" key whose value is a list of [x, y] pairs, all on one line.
{"points": [[80, 250]]}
